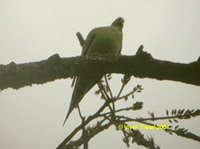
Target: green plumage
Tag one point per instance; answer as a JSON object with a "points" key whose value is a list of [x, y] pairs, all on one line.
{"points": [[100, 42]]}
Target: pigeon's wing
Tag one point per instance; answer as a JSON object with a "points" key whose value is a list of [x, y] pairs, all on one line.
{"points": [[85, 46], [88, 42]]}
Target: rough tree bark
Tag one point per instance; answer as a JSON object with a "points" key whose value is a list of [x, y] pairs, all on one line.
{"points": [[141, 65]]}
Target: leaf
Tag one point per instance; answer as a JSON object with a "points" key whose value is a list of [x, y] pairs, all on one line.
{"points": [[167, 112], [126, 98], [192, 111], [109, 78], [151, 114], [175, 121], [137, 105], [97, 92], [175, 111], [182, 111], [108, 75], [101, 80], [122, 81], [134, 89], [170, 132], [187, 112], [179, 111], [132, 96], [126, 78], [102, 97], [176, 126]]}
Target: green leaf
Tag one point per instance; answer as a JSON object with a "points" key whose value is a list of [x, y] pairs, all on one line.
{"points": [[132, 96], [97, 92], [176, 126], [126, 98], [175, 121], [167, 112], [182, 111], [172, 112], [175, 111]]}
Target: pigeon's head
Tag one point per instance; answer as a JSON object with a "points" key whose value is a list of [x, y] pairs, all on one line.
{"points": [[119, 22]]}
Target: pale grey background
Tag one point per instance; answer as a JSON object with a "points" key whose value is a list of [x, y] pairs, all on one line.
{"points": [[33, 30]]}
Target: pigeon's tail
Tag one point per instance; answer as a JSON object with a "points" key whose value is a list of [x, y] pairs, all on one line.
{"points": [[82, 86]]}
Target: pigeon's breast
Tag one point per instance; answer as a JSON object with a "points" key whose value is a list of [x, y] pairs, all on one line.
{"points": [[107, 42]]}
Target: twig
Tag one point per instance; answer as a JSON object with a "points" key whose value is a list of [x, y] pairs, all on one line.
{"points": [[69, 137], [90, 135], [104, 93], [123, 85], [126, 95], [109, 89]]}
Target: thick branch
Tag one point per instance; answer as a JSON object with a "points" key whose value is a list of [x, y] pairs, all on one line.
{"points": [[141, 65]]}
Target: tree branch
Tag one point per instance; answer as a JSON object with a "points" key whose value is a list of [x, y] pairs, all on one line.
{"points": [[141, 65]]}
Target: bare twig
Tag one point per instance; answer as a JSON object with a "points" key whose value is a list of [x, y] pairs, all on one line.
{"points": [[90, 118]]}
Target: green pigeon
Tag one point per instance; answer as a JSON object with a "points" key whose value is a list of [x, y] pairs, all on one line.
{"points": [[100, 42]]}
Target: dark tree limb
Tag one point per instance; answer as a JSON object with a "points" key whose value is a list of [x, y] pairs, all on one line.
{"points": [[141, 65]]}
